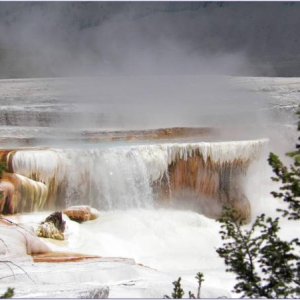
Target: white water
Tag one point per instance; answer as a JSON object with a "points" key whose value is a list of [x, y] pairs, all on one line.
{"points": [[120, 176], [173, 242], [108, 179], [176, 243]]}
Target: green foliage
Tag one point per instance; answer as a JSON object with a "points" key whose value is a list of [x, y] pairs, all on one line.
{"points": [[8, 294], [290, 184], [178, 292], [290, 181], [200, 279], [265, 265]]}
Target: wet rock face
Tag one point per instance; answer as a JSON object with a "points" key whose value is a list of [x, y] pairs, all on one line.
{"points": [[53, 227], [7, 190], [210, 185], [19, 193], [81, 213], [139, 174], [57, 220]]}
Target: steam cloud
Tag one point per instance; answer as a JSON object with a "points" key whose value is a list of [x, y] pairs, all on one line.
{"points": [[131, 49], [147, 65], [90, 38]]}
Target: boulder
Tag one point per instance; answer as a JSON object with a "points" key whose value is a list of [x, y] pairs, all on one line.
{"points": [[81, 213], [48, 230], [53, 227], [57, 220]]}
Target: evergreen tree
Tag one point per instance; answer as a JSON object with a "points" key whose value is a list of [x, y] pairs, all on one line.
{"points": [[8, 294], [265, 265], [200, 279], [290, 181], [177, 290]]}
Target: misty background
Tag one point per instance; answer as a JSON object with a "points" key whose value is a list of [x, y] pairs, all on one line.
{"points": [[72, 70], [142, 65], [48, 39]]}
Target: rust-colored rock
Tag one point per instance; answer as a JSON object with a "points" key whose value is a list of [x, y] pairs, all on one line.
{"points": [[81, 213], [62, 257], [152, 134], [20, 193], [211, 185]]}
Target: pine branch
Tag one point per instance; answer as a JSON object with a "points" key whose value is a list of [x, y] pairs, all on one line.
{"points": [[8, 294]]}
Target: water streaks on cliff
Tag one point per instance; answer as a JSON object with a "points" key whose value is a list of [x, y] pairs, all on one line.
{"points": [[123, 176]]}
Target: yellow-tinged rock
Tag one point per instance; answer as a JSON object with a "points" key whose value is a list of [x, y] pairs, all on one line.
{"points": [[48, 230]]}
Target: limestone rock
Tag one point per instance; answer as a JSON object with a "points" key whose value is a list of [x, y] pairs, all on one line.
{"points": [[57, 220], [48, 230], [81, 213], [20, 241], [53, 227]]}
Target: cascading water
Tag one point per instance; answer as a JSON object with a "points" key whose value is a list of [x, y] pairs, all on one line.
{"points": [[137, 179], [126, 176], [108, 179]]}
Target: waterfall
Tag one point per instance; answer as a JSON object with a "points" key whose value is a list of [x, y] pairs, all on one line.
{"points": [[123, 176], [116, 178]]}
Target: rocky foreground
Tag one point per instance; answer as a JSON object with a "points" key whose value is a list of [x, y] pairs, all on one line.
{"points": [[33, 270]]}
